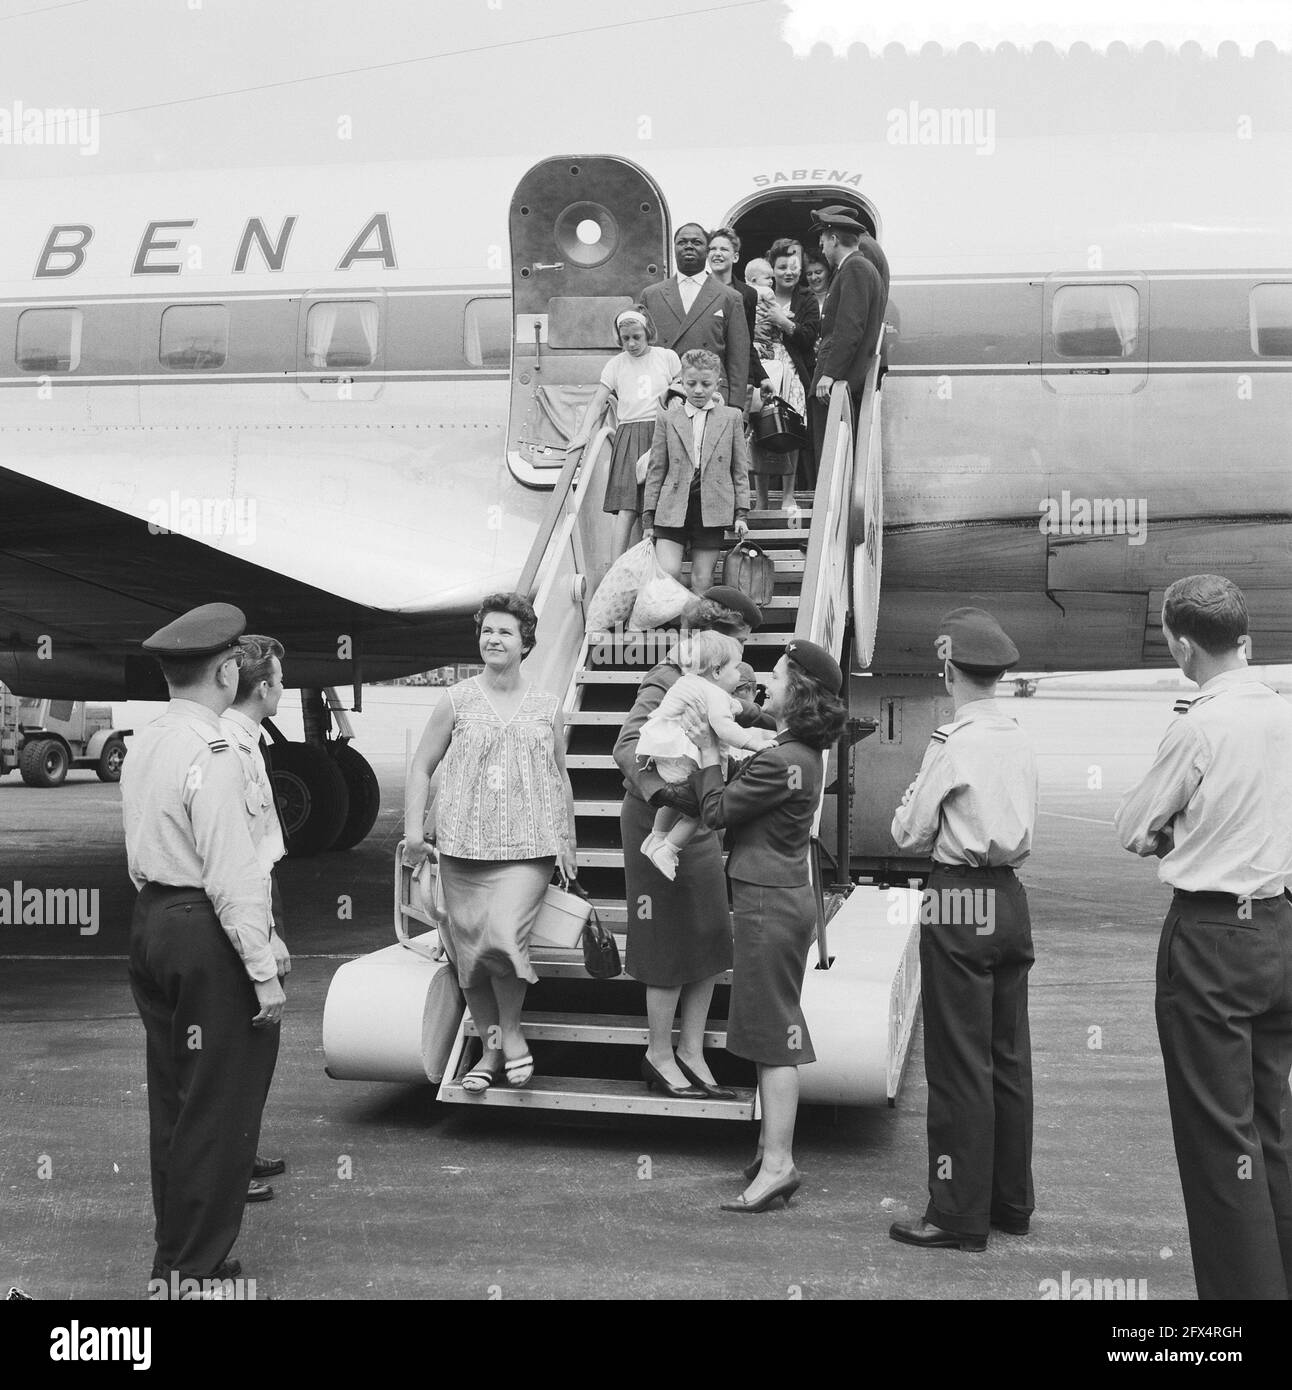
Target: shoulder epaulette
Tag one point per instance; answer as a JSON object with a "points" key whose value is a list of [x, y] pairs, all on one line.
{"points": [[1187, 702], [218, 745], [944, 731]]}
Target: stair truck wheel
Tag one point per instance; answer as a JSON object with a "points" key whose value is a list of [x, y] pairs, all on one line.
{"points": [[44, 763], [108, 768], [365, 795], [311, 795]]}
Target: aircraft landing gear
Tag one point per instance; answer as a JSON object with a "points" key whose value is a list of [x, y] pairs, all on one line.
{"points": [[328, 795], [312, 796], [364, 794]]}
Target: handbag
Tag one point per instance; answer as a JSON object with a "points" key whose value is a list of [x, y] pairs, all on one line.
{"points": [[779, 428], [561, 916], [751, 570], [600, 949]]}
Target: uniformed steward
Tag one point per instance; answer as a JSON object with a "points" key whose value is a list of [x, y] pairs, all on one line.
{"points": [[260, 689], [1216, 809], [202, 970], [973, 809]]}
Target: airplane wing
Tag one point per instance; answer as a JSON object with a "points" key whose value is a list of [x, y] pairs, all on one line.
{"points": [[81, 585]]}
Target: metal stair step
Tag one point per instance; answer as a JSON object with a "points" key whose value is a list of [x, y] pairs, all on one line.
{"points": [[608, 717], [600, 1094], [601, 858], [598, 808], [783, 534], [562, 963], [625, 1029]]}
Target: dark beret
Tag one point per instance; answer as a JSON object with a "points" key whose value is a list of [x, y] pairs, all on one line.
{"points": [[977, 642], [839, 218], [817, 663], [199, 632], [737, 603]]}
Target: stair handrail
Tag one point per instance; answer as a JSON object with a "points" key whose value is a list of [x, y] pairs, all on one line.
{"points": [[827, 575], [556, 506]]}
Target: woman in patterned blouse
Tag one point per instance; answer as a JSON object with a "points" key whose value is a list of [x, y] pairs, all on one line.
{"points": [[503, 818]]}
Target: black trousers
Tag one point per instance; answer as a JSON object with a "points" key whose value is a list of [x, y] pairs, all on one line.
{"points": [[975, 953], [208, 1075], [818, 412], [1224, 1019]]}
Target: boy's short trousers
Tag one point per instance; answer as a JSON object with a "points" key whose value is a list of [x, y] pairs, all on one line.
{"points": [[691, 533]]}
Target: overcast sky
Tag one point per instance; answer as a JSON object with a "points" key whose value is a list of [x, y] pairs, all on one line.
{"points": [[202, 83]]}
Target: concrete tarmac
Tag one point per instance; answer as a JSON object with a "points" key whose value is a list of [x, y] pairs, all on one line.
{"points": [[390, 1195]]}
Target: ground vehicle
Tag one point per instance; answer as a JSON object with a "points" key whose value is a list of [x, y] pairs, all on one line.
{"points": [[43, 739]]}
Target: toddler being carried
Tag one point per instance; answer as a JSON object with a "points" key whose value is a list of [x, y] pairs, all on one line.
{"points": [[710, 664]]}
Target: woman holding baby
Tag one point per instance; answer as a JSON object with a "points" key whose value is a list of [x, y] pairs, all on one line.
{"points": [[785, 336]]}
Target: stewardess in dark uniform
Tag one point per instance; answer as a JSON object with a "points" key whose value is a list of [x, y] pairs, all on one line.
{"points": [[1216, 809], [973, 808], [202, 971], [769, 804]]}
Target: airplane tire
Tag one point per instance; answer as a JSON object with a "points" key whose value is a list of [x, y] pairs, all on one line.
{"points": [[44, 763], [312, 796], [108, 768], [365, 795]]}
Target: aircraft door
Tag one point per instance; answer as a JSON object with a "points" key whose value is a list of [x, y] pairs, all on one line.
{"points": [[587, 233]]}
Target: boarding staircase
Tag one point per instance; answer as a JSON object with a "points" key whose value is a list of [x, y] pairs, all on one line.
{"points": [[600, 695], [588, 1036]]}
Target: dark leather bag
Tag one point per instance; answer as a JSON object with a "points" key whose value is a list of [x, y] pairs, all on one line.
{"points": [[600, 949], [779, 428], [751, 570]]}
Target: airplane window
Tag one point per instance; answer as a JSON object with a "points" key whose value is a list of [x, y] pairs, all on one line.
{"points": [[1271, 317], [1095, 320], [486, 340], [341, 333], [194, 337], [49, 340]]}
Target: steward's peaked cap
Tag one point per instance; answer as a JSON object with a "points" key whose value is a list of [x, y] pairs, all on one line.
{"points": [[737, 603], [978, 643], [817, 663], [838, 218], [199, 632]]}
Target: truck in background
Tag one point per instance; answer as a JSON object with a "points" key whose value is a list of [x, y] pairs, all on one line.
{"points": [[45, 739]]}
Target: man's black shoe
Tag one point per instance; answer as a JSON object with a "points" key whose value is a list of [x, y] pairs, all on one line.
{"points": [[931, 1237], [259, 1192], [267, 1167], [1012, 1225]]}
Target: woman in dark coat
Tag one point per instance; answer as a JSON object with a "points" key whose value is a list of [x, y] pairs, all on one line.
{"points": [[795, 321], [679, 932], [769, 804]]}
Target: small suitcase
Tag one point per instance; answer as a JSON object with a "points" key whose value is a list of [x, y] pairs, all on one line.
{"points": [[751, 570]]}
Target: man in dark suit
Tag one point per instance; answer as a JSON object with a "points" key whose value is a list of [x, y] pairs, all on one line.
{"points": [[851, 322], [693, 309], [867, 246]]}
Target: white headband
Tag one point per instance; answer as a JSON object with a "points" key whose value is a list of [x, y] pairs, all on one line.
{"points": [[630, 314]]}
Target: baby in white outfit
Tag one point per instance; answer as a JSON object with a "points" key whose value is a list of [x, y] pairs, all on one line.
{"points": [[710, 663]]}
